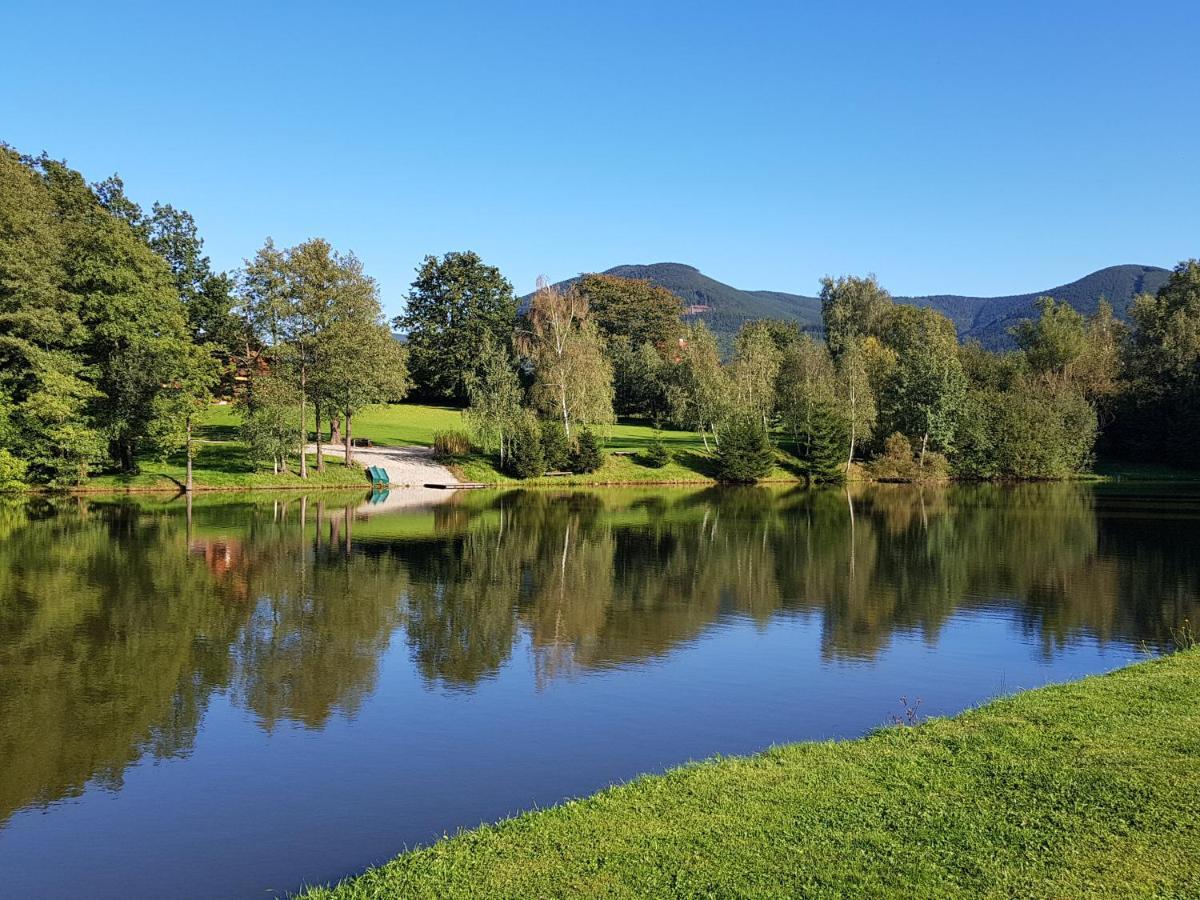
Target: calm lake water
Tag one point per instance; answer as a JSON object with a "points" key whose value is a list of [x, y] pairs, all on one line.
{"points": [[267, 692]]}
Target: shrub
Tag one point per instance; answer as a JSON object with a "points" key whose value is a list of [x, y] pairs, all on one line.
{"points": [[451, 443], [556, 449], [525, 456], [586, 457], [745, 453], [896, 463], [657, 455], [12, 472]]}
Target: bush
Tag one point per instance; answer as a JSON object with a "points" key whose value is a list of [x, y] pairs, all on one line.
{"points": [[657, 455], [586, 457], [745, 453], [12, 472], [448, 444], [525, 456], [556, 449], [896, 463]]}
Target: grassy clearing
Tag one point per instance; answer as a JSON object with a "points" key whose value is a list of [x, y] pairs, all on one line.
{"points": [[1084, 789], [225, 466], [223, 462]]}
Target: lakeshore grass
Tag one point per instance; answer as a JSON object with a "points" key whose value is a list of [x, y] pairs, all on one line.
{"points": [[223, 462], [1086, 789]]}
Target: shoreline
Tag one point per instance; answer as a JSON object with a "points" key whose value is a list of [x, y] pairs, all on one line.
{"points": [[1057, 790]]}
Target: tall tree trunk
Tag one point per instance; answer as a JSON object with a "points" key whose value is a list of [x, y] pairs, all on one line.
{"points": [[187, 485], [349, 441], [303, 424], [924, 444], [335, 428], [850, 456], [317, 418], [566, 419]]}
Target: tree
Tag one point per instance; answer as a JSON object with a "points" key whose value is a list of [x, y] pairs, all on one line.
{"points": [[455, 303], [851, 309], [699, 393], [924, 392], [361, 363], [822, 446], [1161, 415], [270, 419], [186, 394], [572, 375], [525, 457], [755, 368], [132, 324], [319, 316], [206, 295], [640, 375], [637, 310], [494, 399], [745, 453], [807, 379], [857, 394]]}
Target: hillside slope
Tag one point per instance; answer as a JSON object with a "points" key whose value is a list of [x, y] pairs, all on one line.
{"points": [[986, 319]]}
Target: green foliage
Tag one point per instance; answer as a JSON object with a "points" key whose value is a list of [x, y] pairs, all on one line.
{"points": [[526, 458], [13, 471], [1159, 417], [1032, 431], [657, 455], [90, 321], [456, 303], [572, 375], [896, 462], [699, 392], [851, 310], [821, 447], [640, 379], [1054, 340], [494, 396], [586, 456], [556, 446], [755, 367], [449, 444], [635, 310], [924, 392], [745, 453], [271, 420]]}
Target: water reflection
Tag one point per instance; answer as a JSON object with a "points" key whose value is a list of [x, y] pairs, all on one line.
{"points": [[120, 620]]}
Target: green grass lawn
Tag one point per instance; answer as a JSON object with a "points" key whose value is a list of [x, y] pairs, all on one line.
{"points": [[222, 460], [1080, 790], [225, 465]]}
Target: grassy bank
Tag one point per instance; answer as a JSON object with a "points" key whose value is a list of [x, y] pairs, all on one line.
{"points": [[1085, 789], [225, 466]]}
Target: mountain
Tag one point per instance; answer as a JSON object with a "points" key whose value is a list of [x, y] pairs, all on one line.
{"points": [[986, 319]]}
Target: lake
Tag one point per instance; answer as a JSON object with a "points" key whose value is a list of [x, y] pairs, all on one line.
{"points": [[248, 693]]}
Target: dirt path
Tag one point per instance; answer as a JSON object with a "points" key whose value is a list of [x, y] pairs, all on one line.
{"points": [[406, 466]]}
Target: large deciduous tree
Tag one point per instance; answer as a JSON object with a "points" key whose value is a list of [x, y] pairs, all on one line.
{"points": [[852, 308], [572, 375], [925, 389], [456, 302]]}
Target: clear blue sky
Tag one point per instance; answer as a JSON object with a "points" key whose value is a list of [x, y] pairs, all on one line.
{"points": [[943, 146]]}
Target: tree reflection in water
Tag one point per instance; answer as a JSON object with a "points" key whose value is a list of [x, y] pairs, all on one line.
{"points": [[120, 619]]}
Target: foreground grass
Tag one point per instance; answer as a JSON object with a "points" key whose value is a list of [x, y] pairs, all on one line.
{"points": [[1085, 789]]}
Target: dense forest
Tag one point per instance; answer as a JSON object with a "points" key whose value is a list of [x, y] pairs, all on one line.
{"points": [[116, 333]]}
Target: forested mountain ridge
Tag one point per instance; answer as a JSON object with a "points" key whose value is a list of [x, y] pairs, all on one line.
{"points": [[987, 319]]}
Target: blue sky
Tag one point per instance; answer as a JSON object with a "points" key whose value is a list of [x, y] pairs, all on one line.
{"points": [[947, 147]]}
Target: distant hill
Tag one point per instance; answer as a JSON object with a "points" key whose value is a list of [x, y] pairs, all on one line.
{"points": [[986, 319]]}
